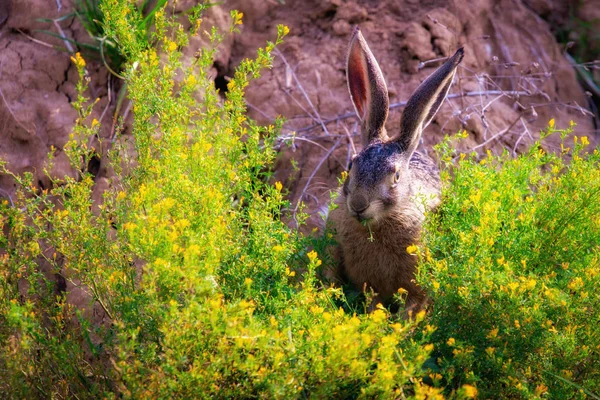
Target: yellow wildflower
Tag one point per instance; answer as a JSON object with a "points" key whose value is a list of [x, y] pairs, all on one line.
{"points": [[238, 18], [428, 347], [493, 334], [470, 391], [412, 249], [78, 60]]}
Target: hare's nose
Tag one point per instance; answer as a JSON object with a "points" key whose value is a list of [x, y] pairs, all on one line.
{"points": [[359, 203]]}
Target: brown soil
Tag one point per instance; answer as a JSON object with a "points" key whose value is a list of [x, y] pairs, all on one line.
{"points": [[508, 48]]}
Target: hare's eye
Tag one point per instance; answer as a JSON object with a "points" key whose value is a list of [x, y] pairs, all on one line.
{"points": [[350, 165], [397, 176]]}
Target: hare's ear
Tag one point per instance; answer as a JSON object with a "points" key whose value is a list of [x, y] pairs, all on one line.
{"points": [[367, 88], [425, 102]]}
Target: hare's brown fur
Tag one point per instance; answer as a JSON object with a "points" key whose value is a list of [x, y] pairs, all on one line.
{"points": [[375, 257], [381, 207]]}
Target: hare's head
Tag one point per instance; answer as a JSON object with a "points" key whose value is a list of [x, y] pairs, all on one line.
{"points": [[379, 178]]}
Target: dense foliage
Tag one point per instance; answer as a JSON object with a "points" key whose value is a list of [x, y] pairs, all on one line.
{"points": [[194, 288], [512, 262], [191, 277]]}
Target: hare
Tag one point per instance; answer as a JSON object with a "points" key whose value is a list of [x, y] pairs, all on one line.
{"points": [[381, 205]]}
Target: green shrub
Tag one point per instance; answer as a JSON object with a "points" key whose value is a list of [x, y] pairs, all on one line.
{"points": [[186, 256], [511, 262]]}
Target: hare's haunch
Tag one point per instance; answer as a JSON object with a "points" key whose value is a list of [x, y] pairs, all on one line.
{"points": [[389, 186]]}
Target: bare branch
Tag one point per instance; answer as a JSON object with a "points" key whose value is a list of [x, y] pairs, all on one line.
{"points": [[109, 90], [310, 178], [497, 135], [318, 117], [62, 35], [7, 195], [508, 93], [34, 39]]}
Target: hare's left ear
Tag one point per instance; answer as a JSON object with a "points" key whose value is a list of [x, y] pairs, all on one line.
{"points": [[425, 102], [367, 89]]}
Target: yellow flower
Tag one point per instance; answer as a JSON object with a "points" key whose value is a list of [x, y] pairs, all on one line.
{"points": [[493, 334], [238, 18], [412, 249], [192, 80], [575, 284], [541, 388], [278, 186], [470, 391], [584, 140], [530, 284], [78, 60], [378, 315], [451, 342], [551, 123], [172, 46], [312, 255]]}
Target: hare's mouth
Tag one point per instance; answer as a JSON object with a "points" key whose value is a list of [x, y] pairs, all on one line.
{"points": [[371, 213], [362, 218]]}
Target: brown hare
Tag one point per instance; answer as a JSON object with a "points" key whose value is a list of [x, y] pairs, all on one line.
{"points": [[380, 208]]}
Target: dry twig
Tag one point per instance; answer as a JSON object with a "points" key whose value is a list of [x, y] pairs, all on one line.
{"points": [[310, 178], [62, 35], [318, 117]]}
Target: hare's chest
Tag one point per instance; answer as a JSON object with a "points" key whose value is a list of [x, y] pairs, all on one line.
{"points": [[378, 261]]}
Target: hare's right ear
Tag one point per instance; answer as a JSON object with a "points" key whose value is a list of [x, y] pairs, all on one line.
{"points": [[425, 102], [367, 88]]}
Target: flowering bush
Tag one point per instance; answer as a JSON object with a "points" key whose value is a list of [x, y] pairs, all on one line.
{"points": [[186, 260], [511, 262]]}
